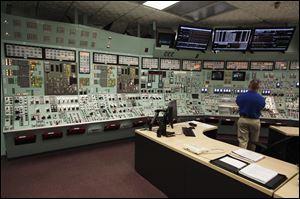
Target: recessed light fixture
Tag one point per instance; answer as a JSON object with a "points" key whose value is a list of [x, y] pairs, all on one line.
{"points": [[160, 5]]}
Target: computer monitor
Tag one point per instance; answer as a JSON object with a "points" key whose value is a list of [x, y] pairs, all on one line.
{"points": [[271, 39], [217, 75], [165, 39], [231, 39], [238, 76], [170, 114], [193, 38]]}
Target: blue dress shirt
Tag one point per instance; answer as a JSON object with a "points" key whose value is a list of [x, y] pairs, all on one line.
{"points": [[250, 104]]}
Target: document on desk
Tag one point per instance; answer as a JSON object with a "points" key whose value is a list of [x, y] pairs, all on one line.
{"points": [[250, 155], [233, 162], [258, 173]]}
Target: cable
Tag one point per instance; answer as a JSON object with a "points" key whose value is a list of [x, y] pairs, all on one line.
{"points": [[210, 151]]}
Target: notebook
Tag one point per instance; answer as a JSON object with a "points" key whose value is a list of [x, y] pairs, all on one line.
{"points": [[248, 155], [233, 162], [258, 173]]}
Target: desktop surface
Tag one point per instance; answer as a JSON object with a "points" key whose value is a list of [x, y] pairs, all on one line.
{"points": [[200, 140]]}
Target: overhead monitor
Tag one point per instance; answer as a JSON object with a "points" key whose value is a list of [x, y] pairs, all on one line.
{"points": [[165, 39], [238, 76], [271, 39], [193, 38], [217, 75], [231, 39]]}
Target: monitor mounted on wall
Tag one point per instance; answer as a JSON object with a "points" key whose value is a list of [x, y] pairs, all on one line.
{"points": [[193, 38], [231, 39], [271, 39]]}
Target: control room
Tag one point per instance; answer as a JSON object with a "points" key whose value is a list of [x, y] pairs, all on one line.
{"points": [[150, 99]]}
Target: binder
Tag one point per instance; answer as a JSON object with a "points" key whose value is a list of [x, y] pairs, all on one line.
{"points": [[226, 166], [272, 184]]}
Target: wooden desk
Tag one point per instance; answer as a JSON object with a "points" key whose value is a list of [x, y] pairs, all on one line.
{"points": [[289, 190], [179, 173], [286, 130], [288, 150]]}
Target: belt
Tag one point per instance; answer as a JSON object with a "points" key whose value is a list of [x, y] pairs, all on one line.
{"points": [[248, 117]]}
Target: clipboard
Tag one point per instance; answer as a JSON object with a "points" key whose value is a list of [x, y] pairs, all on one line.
{"points": [[272, 184], [226, 166]]}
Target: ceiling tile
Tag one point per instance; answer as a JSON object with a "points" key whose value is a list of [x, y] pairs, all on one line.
{"points": [[90, 7], [235, 17], [288, 11]]}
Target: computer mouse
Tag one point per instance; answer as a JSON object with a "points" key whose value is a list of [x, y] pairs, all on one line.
{"points": [[192, 124]]}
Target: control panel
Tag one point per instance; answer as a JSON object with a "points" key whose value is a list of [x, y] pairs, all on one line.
{"points": [[57, 90]]}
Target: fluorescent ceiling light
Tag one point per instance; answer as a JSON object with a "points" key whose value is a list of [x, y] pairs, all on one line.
{"points": [[160, 5]]}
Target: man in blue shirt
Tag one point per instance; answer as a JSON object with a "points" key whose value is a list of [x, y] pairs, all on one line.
{"points": [[250, 104]]}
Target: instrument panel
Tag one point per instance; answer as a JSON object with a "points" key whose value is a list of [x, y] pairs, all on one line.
{"points": [[57, 91]]}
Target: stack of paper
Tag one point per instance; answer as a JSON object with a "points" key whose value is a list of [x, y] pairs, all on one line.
{"points": [[248, 155], [233, 162], [258, 173]]}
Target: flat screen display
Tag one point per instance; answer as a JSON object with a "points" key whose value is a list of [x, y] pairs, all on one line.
{"points": [[231, 39], [271, 39], [193, 38], [217, 75], [238, 76], [165, 39]]}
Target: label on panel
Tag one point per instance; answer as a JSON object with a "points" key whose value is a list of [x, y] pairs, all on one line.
{"points": [[191, 65], [169, 64], [22, 51], [281, 65], [237, 65], [213, 65], [84, 62], [60, 54], [294, 65], [103, 58], [128, 60], [149, 63], [261, 65]]}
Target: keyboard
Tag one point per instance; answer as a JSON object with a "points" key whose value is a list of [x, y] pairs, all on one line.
{"points": [[188, 132], [195, 149]]}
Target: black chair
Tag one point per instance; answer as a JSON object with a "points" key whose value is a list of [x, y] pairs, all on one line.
{"points": [[281, 149]]}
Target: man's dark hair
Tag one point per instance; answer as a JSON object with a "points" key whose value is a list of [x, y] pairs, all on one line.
{"points": [[254, 84]]}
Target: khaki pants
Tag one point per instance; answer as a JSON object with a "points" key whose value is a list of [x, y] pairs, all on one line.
{"points": [[248, 128]]}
